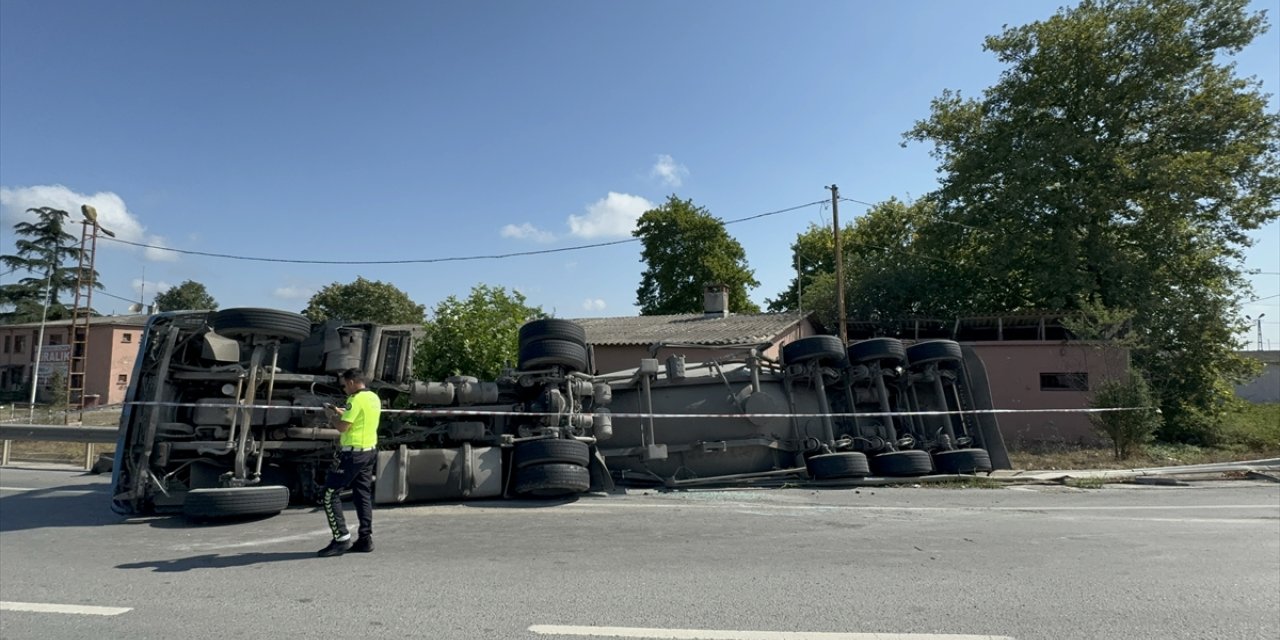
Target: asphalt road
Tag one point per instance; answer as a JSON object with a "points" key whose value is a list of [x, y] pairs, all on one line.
{"points": [[1201, 561]]}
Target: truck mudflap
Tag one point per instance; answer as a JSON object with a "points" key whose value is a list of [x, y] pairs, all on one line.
{"points": [[419, 475]]}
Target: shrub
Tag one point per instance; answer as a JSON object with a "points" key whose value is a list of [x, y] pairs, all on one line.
{"points": [[1127, 430]]}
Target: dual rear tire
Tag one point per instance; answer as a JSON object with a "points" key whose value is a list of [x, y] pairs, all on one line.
{"points": [[551, 468]]}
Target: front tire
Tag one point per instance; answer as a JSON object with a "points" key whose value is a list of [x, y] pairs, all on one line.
{"points": [[213, 504]]}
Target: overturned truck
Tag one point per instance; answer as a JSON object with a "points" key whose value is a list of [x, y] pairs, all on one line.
{"points": [[225, 415]]}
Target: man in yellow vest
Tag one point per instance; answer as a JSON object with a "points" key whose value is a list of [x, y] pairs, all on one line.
{"points": [[358, 424]]}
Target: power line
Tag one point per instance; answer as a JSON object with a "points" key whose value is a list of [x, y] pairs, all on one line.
{"points": [[112, 295], [495, 256]]}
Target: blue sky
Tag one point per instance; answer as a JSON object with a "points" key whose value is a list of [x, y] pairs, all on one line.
{"points": [[420, 130]]}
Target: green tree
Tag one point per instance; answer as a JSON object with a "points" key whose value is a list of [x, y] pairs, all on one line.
{"points": [[889, 275], [364, 301], [812, 255], [686, 249], [46, 250], [1118, 163], [476, 336], [1130, 429], [188, 295]]}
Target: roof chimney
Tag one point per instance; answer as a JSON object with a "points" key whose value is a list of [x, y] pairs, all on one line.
{"points": [[715, 301]]}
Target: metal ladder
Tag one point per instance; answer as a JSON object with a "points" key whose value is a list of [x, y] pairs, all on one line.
{"points": [[81, 312]]}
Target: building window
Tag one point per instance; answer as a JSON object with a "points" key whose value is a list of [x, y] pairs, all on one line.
{"points": [[7, 343], [126, 338], [1073, 381], [55, 339], [19, 344], [122, 379]]}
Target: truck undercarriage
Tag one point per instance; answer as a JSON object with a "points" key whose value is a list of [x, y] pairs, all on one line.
{"points": [[224, 416]]}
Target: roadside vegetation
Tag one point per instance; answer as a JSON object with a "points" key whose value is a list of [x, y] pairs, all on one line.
{"points": [[1248, 432]]}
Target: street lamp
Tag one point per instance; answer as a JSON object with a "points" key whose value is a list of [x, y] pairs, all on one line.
{"points": [[1260, 315]]}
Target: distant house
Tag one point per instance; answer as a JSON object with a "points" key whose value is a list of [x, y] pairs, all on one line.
{"points": [[112, 350]]}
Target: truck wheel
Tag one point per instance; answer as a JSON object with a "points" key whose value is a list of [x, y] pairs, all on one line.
{"points": [[247, 322], [912, 462], [885, 350], [552, 480], [824, 349], [552, 329], [210, 504], [549, 450], [546, 353], [962, 461], [945, 352], [847, 464]]}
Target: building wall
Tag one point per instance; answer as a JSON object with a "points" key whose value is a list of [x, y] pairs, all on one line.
{"points": [[1025, 375], [1265, 387], [112, 352], [109, 376]]}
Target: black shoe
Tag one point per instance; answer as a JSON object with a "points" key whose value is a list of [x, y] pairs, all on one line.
{"points": [[363, 545], [335, 548]]}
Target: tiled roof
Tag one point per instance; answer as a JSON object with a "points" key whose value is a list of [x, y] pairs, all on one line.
{"points": [[692, 328]]}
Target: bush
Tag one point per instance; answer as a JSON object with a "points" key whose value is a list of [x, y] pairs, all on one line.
{"points": [[1127, 430], [58, 391]]}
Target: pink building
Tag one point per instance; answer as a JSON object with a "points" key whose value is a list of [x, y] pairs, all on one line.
{"points": [[112, 351]]}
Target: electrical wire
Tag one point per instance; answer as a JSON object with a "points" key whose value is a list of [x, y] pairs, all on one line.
{"points": [[495, 256]]}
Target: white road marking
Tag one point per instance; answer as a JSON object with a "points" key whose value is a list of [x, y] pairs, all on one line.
{"points": [[320, 535], [61, 491], [582, 506], [80, 609], [725, 634]]}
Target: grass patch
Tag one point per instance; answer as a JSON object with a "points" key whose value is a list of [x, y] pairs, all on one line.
{"points": [[964, 482], [1249, 432], [1253, 426], [1086, 483], [1059, 457]]}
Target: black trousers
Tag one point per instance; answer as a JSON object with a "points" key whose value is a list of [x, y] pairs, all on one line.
{"points": [[355, 470]]}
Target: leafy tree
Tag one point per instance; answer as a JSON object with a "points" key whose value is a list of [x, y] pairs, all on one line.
{"points": [[1127, 430], [47, 250], [812, 254], [477, 336], [687, 249], [888, 274], [364, 301], [188, 295], [1118, 163]]}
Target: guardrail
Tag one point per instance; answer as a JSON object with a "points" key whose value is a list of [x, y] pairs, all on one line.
{"points": [[57, 433]]}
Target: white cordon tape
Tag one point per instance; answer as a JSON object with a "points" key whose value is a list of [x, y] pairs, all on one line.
{"points": [[467, 412]]}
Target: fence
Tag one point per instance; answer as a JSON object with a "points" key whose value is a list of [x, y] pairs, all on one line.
{"points": [[18, 422]]}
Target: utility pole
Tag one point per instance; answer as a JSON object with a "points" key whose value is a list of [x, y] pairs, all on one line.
{"points": [[35, 366], [835, 223]]}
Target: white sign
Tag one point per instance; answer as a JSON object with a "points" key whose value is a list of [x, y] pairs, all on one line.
{"points": [[54, 359]]}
